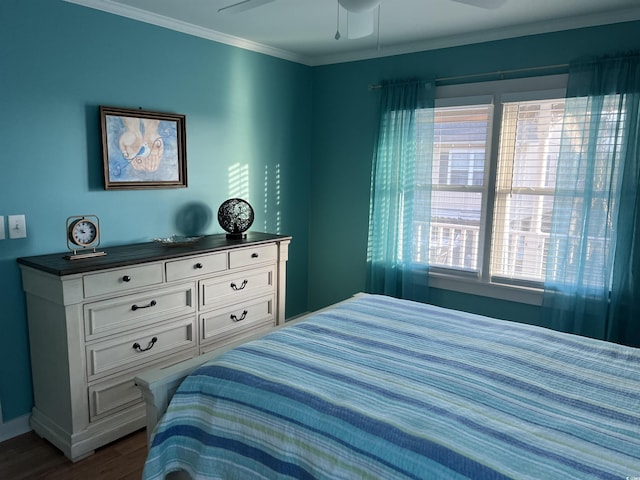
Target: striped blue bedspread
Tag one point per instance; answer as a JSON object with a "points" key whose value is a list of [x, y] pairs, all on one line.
{"points": [[380, 388]]}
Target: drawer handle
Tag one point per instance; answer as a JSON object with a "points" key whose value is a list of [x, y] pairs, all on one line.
{"points": [[126, 278], [136, 346], [236, 319], [237, 288], [152, 303], [254, 255], [198, 266]]}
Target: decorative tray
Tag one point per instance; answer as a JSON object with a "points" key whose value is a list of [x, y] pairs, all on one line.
{"points": [[177, 240]]}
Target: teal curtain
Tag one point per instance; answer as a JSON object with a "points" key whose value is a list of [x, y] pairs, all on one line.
{"points": [[400, 204], [593, 262]]}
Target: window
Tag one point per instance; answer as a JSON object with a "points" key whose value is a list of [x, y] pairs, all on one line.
{"points": [[589, 189], [525, 185], [461, 136], [493, 180]]}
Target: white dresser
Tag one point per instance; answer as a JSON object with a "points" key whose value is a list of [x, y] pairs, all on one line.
{"points": [[94, 324]]}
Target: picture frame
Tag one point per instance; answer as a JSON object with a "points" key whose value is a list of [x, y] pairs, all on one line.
{"points": [[143, 149]]}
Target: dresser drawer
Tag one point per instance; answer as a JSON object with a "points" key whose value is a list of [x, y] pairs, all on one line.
{"points": [[236, 317], [245, 257], [128, 312], [111, 396], [196, 266], [121, 280], [114, 394], [134, 349], [233, 288]]}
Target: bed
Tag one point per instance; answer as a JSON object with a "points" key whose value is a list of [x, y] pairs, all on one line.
{"points": [[381, 388]]}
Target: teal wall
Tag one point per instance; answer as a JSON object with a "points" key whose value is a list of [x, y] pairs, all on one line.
{"points": [[245, 112], [343, 137], [301, 137]]}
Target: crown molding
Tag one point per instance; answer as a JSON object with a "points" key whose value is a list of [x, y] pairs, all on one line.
{"points": [[133, 13], [618, 16]]}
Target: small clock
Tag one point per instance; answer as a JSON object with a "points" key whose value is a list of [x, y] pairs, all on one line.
{"points": [[83, 236]]}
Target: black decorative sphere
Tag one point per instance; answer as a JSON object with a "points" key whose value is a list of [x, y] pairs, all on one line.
{"points": [[235, 217]]}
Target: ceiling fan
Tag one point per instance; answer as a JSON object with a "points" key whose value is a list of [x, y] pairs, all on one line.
{"points": [[360, 13]]}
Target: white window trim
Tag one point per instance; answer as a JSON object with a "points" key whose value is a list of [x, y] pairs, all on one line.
{"points": [[496, 92], [473, 286]]}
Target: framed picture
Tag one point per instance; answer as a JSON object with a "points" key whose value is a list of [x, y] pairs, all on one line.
{"points": [[143, 149]]}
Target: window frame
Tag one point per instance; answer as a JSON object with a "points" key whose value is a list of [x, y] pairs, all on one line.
{"points": [[495, 92]]}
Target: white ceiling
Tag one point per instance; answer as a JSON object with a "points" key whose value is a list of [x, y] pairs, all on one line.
{"points": [[303, 30]]}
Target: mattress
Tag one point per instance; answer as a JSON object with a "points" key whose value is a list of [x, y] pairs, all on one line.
{"points": [[381, 388]]}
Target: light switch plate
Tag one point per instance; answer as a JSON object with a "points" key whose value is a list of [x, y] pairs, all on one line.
{"points": [[17, 226], [2, 237]]}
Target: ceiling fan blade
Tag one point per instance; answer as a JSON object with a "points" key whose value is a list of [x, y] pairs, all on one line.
{"points": [[489, 4], [357, 6], [242, 6]]}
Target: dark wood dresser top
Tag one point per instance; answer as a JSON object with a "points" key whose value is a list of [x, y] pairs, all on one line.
{"points": [[124, 255]]}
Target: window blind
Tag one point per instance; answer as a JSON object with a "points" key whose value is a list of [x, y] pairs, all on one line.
{"points": [[525, 184], [458, 187]]}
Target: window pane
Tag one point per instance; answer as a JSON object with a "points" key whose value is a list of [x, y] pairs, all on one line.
{"points": [[455, 229], [521, 237], [460, 140], [451, 239], [527, 161]]}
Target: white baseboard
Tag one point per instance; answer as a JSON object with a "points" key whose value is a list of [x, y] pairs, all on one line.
{"points": [[14, 427]]}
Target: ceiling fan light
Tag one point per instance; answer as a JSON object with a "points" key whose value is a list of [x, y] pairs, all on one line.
{"points": [[359, 5], [360, 25]]}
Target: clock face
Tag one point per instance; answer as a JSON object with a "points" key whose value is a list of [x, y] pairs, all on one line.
{"points": [[83, 232]]}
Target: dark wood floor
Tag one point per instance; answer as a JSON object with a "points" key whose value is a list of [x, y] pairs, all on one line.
{"points": [[31, 457]]}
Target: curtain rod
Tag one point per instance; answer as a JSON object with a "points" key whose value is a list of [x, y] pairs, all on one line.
{"points": [[498, 73]]}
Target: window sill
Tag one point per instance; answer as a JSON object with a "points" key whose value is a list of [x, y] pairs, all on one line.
{"points": [[472, 286]]}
